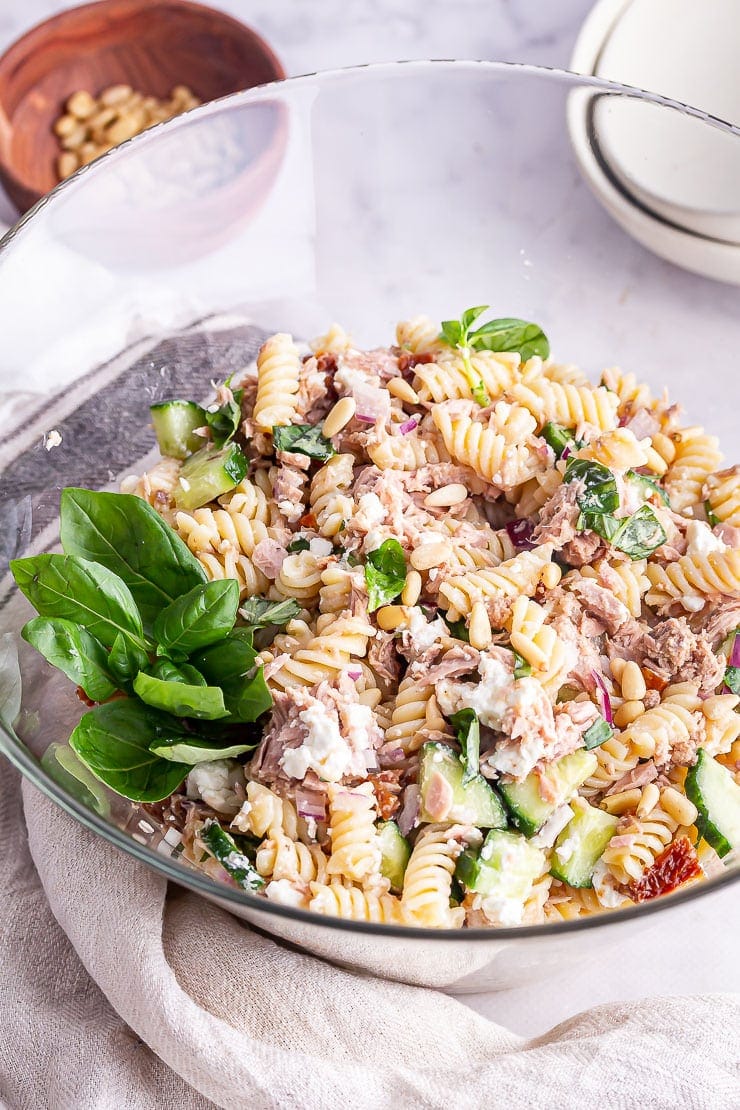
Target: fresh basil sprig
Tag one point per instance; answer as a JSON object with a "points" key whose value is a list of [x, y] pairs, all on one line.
{"points": [[124, 534], [303, 439], [201, 617], [258, 612], [600, 494], [224, 422], [385, 574], [597, 734], [504, 334], [457, 628], [230, 664], [298, 544], [181, 698], [76, 653], [467, 728]]}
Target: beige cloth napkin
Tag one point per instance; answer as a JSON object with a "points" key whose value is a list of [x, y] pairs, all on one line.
{"points": [[119, 992]]}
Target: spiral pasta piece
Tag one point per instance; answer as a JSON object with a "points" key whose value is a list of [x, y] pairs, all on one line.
{"points": [[419, 335], [278, 375], [569, 405], [451, 377], [722, 492], [156, 486], [677, 723], [697, 456], [299, 577], [266, 813], [415, 716], [335, 342], [280, 857], [632, 394], [325, 655], [694, 578], [334, 899], [504, 583], [635, 847], [355, 849], [495, 453], [428, 880], [404, 452], [329, 498], [722, 723], [537, 642]]}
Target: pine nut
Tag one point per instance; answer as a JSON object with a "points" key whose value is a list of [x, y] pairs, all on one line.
{"points": [[67, 163], [81, 104], [391, 617], [412, 589], [649, 800], [632, 683], [430, 555], [628, 712], [454, 494], [88, 153], [479, 629], [678, 806], [624, 802], [65, 125], [665, 447], [400, 388], [551, 575], [370, 697], [617, 666], [74, 139], [125, 127], [339, 416], [115, 94]]}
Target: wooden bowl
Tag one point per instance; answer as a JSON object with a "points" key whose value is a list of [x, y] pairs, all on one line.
{"points": [[152, 45]]}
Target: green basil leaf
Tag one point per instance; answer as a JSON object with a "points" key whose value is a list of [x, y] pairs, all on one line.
{"points": [[230, 665], [470, 315], [511, 334], [303, 439], [258, 612], [522, 669], [66, 768], [647, 486], [301, 544], [732, 679], [168, 671], [640, 534], [197, 749], [236, 864], [451, 333], [224, 422], [201, 617], [80, 591], [458, 629], [385, 574], [113, 741], [76, 653], [125, 660], [126, 535], [600, 494], [603, 524], [179, 698], [597, 734], [558, 438], [467, 729]]}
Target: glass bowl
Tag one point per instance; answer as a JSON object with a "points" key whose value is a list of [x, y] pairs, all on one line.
{"points": [[364, 196]]}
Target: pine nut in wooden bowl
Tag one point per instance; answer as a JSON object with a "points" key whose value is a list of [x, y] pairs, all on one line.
{"points": [[155, 48]]}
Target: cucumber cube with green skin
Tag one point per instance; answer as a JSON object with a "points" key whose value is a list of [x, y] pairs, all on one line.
{"points": [[505, 867], [174, 426], [581, 844], [395, 851], [236, 864], [474, 803], [524, 800], [714, 792], [208, 474]]}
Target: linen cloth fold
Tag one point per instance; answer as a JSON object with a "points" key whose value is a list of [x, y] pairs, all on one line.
{"points": [[117, 991]]}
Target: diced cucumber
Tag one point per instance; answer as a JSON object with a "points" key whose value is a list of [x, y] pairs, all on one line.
{"points": [[475, 803], [581, 844], [716, 795], [174, 424], [207, 474], [395, 851], [524, 800], [223, 848], [505, 867]]}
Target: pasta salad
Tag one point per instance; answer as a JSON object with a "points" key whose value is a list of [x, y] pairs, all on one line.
{"points": [[437, 634]]}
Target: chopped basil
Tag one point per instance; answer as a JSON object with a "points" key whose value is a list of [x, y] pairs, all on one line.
{"points": [[258, 612], [224, 422], [467, 728], [598, 732], [385, 574], [303, 439], [640, 534], [504, 334], [600, 494], [732, 679], [647, 486], [522, 669], [223, 848], [603, 524], [458, 629], [301, 544], [558, 438]]}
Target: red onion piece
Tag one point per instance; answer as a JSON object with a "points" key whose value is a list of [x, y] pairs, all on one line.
{"points": [[364, 419], [735, 653], [520, 533], [408, 815], [605, 703], [392, 755], [373, 403], [408, 425], [566, 452], [354, 675], [310, 804]]}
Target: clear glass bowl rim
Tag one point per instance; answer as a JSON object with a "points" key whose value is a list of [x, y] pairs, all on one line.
{"points": [[199, 882]]}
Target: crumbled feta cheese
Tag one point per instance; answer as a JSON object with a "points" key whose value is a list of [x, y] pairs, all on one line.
{"points": [[693, 604], [489, 699], [320, 547], [52, 439], [324, 750], [605, 887], [424, 633], [284, 893], [701, 540], [347, 377], [214, 782], [552, 828], [503, 911], [369, 513], [565, 851], [241, 822]]}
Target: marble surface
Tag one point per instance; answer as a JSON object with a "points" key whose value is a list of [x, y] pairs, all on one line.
{"points": [[693, 949]]}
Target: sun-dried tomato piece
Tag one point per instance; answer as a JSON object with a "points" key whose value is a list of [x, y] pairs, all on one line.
{"points": [[387, 789], [308, 520], [407, 360], [674, 866], [653, 680]]}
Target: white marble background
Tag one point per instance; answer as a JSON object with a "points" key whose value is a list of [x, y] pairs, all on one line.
{"points": [[694, 950]]}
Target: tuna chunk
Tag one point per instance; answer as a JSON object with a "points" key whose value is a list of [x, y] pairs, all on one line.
{"points": [[672, 651], [460, 659], [382, 657], [583, 549], [558, 516], [601, 603], [315, 391], [269, 556]]}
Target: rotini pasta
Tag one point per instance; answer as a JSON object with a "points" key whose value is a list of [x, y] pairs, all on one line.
{"points": [[278, 375]]}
